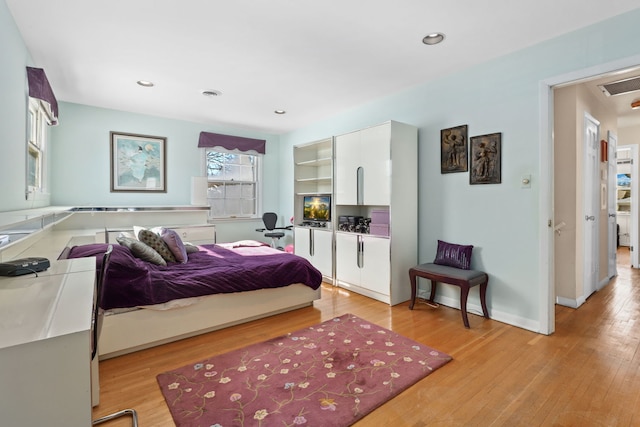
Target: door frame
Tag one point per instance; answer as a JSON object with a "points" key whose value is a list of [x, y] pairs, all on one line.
{"points": [[546, 302], [612, 246], [633, 229]]}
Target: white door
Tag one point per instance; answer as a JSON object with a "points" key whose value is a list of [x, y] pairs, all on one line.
{"points": [[348, 258], [302, 242], [611, 204], [633, 220], [316, 246], [376, 264], [375, 151], [347, 160], [322, 245], [590, 205], [630, 166]]}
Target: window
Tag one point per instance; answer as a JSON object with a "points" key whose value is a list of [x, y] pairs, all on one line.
{"points": [[233, 184], [36, 147]]}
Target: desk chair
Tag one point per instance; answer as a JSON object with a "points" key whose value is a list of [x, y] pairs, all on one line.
{"points": [[98, 316], [270, 219]]}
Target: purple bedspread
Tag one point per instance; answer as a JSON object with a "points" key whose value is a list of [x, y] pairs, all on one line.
{"points": [[214, 269]]}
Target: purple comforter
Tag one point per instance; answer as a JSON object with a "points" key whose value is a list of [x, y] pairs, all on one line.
{"points": [[214, 269]]}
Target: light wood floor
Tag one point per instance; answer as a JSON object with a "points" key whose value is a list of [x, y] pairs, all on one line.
{"points": [[586, 374]]}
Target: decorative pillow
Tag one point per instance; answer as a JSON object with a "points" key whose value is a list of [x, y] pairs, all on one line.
{"points": [[190, 247], [141, 250], [156, 242], [452, 255], [174, 242]]}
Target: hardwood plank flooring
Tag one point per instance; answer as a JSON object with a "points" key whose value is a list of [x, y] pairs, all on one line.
{"points": [[586, 374]]}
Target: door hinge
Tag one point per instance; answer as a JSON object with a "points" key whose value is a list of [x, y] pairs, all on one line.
{"points": [[549, 223]]}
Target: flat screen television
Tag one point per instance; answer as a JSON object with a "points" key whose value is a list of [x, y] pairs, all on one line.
{"points": [[316, 208]]}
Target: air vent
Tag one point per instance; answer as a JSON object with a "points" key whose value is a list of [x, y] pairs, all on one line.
{"points": [[621, 86]]}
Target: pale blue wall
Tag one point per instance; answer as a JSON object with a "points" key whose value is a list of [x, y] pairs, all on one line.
{"points": [[14, 57], [502, 95], [81, 154]]}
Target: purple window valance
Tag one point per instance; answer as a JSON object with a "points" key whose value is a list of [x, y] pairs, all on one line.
{"points": [[208, 139], [40, 88]]}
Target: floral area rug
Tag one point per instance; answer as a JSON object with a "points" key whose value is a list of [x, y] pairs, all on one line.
{"points": [[331, 374]]}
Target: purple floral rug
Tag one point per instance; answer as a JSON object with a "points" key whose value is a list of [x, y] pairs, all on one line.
{"points": [[331, 374]]}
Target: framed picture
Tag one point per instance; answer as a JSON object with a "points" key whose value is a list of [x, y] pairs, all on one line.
{"points": [[138, 163], [486, 155], [453, 149]]}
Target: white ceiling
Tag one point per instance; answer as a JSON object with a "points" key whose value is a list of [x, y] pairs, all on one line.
{"points": [[310, 58]]}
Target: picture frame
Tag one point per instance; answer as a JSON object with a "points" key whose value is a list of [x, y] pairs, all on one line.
{"points": [[486, 159], [138, 163], [454, 149]]}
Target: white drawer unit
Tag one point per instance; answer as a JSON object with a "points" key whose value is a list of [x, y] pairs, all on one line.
{"points": [[197, 234], [45, 346]]}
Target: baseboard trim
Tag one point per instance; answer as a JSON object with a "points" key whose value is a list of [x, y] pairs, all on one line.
{"points": [[494, 314]]}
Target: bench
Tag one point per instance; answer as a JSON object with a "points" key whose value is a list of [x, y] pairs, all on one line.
{"points": [[465, 279]]}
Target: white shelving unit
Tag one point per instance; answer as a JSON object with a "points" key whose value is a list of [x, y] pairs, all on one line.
{"points": [[313, 174]]}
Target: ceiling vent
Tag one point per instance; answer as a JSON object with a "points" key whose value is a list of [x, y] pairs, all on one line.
{"points": [[621, 86]]}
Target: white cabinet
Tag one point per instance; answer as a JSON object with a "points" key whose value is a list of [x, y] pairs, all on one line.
{"points": [[45, 345], [197, 234], [363, 167], [363, 264], [376, 170], [315, 245]]}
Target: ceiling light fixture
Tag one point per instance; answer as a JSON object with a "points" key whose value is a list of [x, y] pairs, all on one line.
{"points": [[635, 104], [280, 112], [211, 92], [145, 83], [433, 38]]}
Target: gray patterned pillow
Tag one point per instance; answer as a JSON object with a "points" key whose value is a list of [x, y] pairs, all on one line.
{"points": [[155, 241], [141, 250], [190, 247]]}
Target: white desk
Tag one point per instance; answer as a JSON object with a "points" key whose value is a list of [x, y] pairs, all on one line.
{"points": [[45, 346]]}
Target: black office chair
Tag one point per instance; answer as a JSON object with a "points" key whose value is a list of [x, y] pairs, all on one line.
{"points": [[98, 316], [270, 219]]}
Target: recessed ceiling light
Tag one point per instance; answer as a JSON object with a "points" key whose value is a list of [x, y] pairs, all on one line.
{"points": [[145, 83], [211, 92], [433, 38], [280, 112]]}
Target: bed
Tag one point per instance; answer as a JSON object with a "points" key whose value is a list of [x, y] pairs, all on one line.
{"points": [[219, 285]]}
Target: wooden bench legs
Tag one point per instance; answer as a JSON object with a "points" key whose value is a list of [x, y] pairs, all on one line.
{"points": [[464, 283]]}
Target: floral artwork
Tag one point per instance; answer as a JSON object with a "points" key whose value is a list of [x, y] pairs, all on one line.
{"points": [[137, 162], [330, 374]]}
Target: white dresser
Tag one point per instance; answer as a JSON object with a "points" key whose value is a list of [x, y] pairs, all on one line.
{"points": [[45, 346]]}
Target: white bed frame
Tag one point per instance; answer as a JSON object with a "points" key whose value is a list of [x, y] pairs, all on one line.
{"points": [[136, 330], [144, 328]]}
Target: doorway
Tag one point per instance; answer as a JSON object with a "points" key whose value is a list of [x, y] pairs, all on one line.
{"points": [[626, 191], [548, 227]]}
